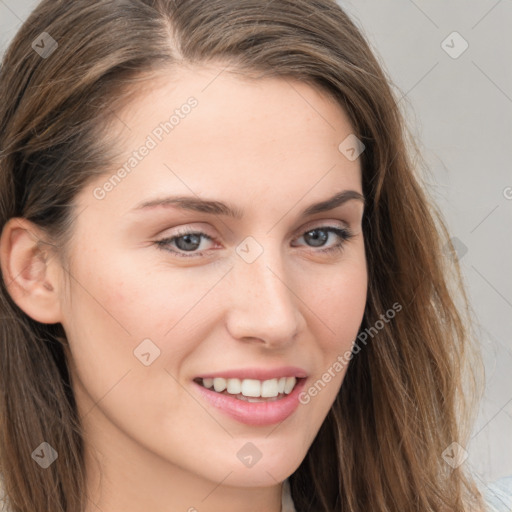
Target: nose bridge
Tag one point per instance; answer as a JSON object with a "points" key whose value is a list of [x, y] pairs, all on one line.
{"points": [[263, 304]]}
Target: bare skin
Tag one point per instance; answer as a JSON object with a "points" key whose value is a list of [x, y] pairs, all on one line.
{"points": [[269, 147]]}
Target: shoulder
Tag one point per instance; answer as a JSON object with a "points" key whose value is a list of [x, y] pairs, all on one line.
{"points": [[498, 495]]}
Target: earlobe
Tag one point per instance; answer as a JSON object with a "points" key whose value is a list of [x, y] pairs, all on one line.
{"points": [[29, 270]]}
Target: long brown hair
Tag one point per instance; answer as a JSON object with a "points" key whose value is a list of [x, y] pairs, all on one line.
{"points": [[407, 394]]}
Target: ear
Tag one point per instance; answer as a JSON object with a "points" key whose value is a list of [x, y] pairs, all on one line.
{"points": [[31, 271]]}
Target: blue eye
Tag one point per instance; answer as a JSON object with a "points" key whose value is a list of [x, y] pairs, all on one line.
{"points": [[190, 241], [186, 241], [342, 233]]}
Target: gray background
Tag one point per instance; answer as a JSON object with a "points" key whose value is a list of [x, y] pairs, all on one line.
{"points": [[460, 110]]}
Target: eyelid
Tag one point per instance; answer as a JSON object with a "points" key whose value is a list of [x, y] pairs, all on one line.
{"points": [[314, 224], [322, 223]]}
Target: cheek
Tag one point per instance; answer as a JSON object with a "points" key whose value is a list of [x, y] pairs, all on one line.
{"points": [[118, 302], [114, 310], [338, 308], [142, 298], [339, 302]]}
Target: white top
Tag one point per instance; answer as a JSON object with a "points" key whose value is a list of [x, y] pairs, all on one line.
{"points": [[286, 498], [498, 495]]}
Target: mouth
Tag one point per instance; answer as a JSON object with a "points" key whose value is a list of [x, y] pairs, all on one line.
{"points": [[251, 390], [254, 396]]}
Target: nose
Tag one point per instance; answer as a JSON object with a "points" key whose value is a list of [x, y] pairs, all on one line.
{"points": [[263, 305]]}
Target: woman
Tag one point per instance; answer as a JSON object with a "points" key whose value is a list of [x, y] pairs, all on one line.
{"points": [[224, 287]]}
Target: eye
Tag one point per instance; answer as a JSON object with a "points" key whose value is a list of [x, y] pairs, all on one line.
{"points": [[187, 241], [190, 241], [318, 236]]}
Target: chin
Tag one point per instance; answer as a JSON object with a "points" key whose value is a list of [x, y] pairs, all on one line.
{"points": [[273, 467], [264, 477]]}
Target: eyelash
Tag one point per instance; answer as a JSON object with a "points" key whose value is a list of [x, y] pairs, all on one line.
{"points": [[343, 233]]}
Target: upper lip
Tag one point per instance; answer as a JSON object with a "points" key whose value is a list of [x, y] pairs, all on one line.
{"points": [[257, 373]]}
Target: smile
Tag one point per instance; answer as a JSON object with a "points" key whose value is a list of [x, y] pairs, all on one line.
{"points": [[250, 390]]}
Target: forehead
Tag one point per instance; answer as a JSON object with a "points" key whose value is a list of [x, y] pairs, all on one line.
{"points": [[244, 138], [232, 105]]}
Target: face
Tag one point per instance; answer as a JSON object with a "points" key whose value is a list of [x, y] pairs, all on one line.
{"points": [[165, 295]]}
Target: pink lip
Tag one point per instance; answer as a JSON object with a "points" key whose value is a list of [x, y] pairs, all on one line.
{"points": [[258, 373], [254, 413]]}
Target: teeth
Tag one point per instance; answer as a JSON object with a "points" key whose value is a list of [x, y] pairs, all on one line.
{"points": [[290, 383], [219, 384], [252, 388], [234, 386], [269, 388]]}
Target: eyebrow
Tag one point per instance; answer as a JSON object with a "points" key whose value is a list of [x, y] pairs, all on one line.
{"points": [[219, 208]]}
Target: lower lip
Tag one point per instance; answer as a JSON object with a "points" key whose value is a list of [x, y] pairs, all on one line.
{"points": [[254, 413]]}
